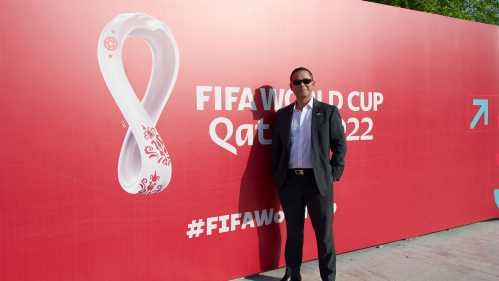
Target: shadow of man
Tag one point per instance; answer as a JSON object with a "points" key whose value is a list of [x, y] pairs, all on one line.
{"points": [[258, 192]]}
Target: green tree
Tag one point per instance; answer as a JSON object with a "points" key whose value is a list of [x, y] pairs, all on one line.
{"points": [[485, 11]]}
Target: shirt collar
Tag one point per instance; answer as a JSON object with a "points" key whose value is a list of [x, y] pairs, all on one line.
{"points": [[310, 104]]}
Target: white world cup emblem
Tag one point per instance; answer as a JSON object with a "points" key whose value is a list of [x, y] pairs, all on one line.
{"points": [[144, 166]]}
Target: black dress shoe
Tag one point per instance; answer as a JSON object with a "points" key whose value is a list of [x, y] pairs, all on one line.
{"points": [[291, 278]]}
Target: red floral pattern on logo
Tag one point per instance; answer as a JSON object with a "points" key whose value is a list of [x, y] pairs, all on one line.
{"points": [[149, 187], [157, 148]]}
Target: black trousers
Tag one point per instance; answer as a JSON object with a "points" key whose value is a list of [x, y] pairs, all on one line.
{"points": [[298, 191]]}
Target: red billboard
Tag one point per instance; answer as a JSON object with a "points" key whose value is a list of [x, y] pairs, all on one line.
{"points": [[135, 135]]}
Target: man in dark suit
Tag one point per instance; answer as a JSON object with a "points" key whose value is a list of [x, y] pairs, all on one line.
{"points": [[305, 132]]}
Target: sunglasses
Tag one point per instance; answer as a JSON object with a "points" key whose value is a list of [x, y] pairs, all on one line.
{"points": [[305, 81]]}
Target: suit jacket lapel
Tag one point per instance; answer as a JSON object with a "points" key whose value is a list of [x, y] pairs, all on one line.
{"points": [[286, 124], [317, 120]]}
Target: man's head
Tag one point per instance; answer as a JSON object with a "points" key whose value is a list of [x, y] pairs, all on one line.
{"points": [[300, 69], [302, 83]]}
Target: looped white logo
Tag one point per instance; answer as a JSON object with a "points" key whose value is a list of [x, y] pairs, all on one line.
{"points": [[145, 166]]}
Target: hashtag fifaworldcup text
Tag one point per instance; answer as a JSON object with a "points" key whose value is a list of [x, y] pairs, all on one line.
{"points": [[233, 222]]}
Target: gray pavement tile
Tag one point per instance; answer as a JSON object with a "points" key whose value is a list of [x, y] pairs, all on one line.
{"points": [[492, 271], [447, 254], [425, 248], [471, 278], [486, 248], [404, 253], [458, 268], [486, 236], [375, 277], [399, 250], [440, 247], [309, 274], [469, 252], [483, 276], [486, 255], [454, 238], [463, 247], [476, 261], [374, 260], [489, 249], [314, 265], [423, 258], [308, 278], [489, 239], [400, 268], [468, 257], [341, 276], [357, 273], [438, 257], [492, 262], [471, 239], [382, 258], [435, 273], [365, 275]]}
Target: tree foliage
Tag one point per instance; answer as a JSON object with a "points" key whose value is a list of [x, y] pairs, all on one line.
{"points": [[485, 11]]}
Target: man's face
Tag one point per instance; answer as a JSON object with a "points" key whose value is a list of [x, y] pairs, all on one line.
{"points": [[302, 91]]}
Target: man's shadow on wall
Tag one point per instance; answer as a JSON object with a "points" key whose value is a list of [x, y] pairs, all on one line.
{"points": [[258, 191]]}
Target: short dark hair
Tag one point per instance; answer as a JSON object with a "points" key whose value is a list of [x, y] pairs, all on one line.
{"points": [[301, 69]]}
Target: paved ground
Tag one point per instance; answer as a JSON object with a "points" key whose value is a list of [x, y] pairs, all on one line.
{"points": [[469, 252]]}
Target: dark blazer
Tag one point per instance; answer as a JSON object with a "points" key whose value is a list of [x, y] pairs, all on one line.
{"points": [[327, 135]]}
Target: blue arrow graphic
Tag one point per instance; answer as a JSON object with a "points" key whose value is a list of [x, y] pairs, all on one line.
{"points": [[484, 108]]}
